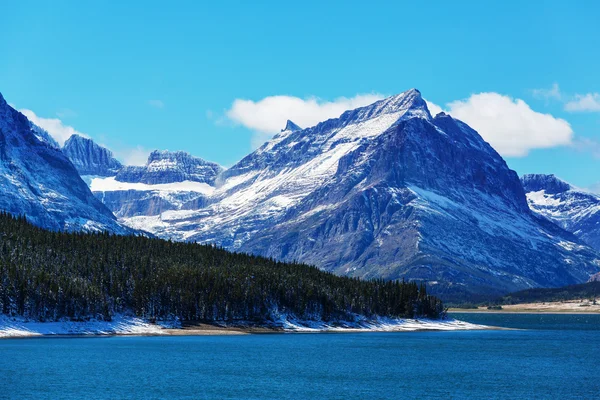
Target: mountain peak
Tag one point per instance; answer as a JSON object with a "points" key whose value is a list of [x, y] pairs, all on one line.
{"points": [[158, 155], [74, 138], [89, 158], [549, 183], [290, 126], [410, 103], [411, 98], [164, 166]]}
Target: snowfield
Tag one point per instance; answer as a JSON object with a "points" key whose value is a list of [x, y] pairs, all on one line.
{"points": [[381, 325], [121, 325], [100, 184]]}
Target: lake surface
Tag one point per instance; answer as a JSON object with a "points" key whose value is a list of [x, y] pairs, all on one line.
{"points": [[557, 357]]}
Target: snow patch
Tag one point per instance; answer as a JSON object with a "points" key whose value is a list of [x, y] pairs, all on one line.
{"points": [[120, 325], [379, 324], [110, 184]]}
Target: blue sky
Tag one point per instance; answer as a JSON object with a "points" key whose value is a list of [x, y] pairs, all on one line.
{"points": [[147, 75]]}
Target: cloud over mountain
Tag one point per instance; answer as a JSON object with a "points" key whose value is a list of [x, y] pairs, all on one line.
{"points": [[54, 126], [269, 115], [510, 125]]}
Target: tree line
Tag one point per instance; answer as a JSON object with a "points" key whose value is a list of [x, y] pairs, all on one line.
{"points": [[48, 275]]}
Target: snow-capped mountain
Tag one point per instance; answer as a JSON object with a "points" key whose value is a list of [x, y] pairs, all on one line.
{"points": [[572, 209], [385, 190], [168, 181], [37, 180], [90, 158]]}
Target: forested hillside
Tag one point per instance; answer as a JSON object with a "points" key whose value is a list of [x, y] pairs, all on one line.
{"points": [[590, 290], [47, 275]]}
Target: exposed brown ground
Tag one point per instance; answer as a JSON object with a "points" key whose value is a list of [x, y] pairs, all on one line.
{"points": [[202, 329], [566, 307]]}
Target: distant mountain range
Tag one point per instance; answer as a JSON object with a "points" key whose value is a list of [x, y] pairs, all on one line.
{"points": [[573, 209], [386, 191]]}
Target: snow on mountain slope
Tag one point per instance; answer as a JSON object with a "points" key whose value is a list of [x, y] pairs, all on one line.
{"points": [[109, 184], [387, 191], [43, 135], [572, 209], [37, 180]]}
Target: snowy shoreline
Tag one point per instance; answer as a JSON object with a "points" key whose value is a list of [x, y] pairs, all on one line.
{"points": [[132, 326]]}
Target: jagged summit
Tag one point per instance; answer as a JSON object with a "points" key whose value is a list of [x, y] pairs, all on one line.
{"points": [[290, 126], [348, 130], [77, 138], [409, 104], [175, 156], [549, 183], [90, 158]]}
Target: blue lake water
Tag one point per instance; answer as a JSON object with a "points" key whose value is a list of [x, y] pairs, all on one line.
{"points": [[556, 357]]}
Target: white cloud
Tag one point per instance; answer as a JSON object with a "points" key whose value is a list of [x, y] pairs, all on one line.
{"points": [[269, 115], [547, 94], [589, 102], [510, 125], [133, 156], [156, 103], [434, 109], [585, 144], [54, 126], [66, 113]]}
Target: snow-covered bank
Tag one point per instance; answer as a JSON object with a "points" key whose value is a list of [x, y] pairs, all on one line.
{"points": [[120, 325], [125, 325], [381, 325]]}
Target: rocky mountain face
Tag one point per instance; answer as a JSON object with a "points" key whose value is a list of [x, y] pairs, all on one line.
{"points": [[386, 191], [90, 158], [43, 135], [169, 167], [572, 209], [595, 278], [168, 181], [37, 180]]}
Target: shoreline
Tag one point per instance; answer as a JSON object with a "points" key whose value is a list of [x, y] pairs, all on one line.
{"points": [[473, 311], [130, 326], [565, 307]]}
